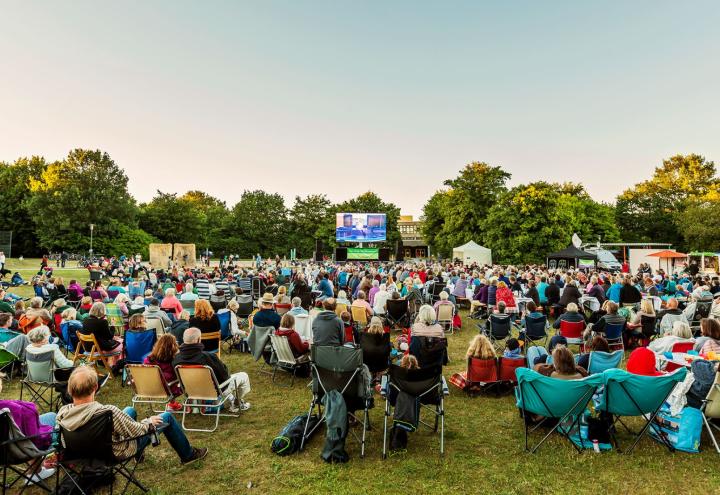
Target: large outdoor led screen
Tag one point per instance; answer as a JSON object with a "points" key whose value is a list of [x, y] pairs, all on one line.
{"points": [[360, 227]]}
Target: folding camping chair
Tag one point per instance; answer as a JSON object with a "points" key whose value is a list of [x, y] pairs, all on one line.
{"points": [[20, 455], [614, 336], [202, 390], [92, 445], [260, 344], [360, 318], [482, 374], [427, 386], [155, 324], [499, 328], [95, 354], [245, 309], [8, 360], [338, 368], [600, 361], [39, 379], [138, 344], [208, 337], [376, 350], [429, 351], [681, 347], [68, 335], [445, 315], [553, 399], [627, 394], [710, 409], [398, 313], [226, 336], [535, 329], [149, 386], [188, 305], [284, 358], [507, 368], [437, 288], [340, 308], [573, 333]]}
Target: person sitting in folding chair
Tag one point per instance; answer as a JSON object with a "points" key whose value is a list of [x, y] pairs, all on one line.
{"points": [[38, 427], [39, 338], [563, 365], [193, 352], [425, 324], [327, 328], [83, 385], [162, 355], [480, 348]]}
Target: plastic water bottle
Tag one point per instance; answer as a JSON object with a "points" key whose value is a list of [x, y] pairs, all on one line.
{"points": [[596, 446]]}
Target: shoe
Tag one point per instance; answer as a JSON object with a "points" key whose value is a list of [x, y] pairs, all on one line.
{"points": [[244, 406], [197, 454], [50, 462], [173, 406], [43, 474]]}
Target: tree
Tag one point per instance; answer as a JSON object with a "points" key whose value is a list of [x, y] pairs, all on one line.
{"points": [[535, 219], [458, 215], [648, 210], [368, 202], [433, 220], [306, 216], [699, 224], [172, 219], [257, 224], [14, 193], [214, 214], [85, 188]]}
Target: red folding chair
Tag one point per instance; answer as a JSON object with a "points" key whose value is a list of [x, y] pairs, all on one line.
{"points": [[508, 366], [482, 374], [573, 333], [679, 347]]}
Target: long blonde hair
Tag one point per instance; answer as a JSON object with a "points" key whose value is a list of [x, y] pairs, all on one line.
{"points": [[376, 326], [481, 347]]}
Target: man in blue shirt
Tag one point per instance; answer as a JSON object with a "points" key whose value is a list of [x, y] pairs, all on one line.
{"points": [[325, 287]]}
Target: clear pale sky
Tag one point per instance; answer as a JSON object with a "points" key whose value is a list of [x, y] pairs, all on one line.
{"points": [[341, 97]]}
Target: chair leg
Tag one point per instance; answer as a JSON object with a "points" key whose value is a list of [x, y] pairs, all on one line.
{"points": [[710, 432], [385, 425], [442, 426]]}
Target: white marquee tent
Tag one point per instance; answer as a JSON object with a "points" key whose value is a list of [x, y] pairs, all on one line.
{"points": [[471, 253]]}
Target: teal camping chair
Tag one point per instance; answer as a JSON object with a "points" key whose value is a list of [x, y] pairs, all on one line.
{"points": [[553, 398], [637, 395], [601, 361]]}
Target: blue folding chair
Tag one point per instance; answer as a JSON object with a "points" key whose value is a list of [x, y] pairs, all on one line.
{"points": [[601, 361], [68, 335], [628, 395], [535, 329], [555, 399], [225, 333], [138, 344], [614, 335]]}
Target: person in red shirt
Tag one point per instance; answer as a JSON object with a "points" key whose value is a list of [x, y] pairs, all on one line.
{"points": [[625, 267], [287, 329]]}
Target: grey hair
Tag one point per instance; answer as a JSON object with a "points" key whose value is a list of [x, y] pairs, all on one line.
{"points": [[38, 334], [426, 315], [192, 335]]}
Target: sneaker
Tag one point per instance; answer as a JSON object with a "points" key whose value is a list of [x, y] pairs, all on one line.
{"points": [[197, 454], [43, 474], [244, 406], [173, 406]]}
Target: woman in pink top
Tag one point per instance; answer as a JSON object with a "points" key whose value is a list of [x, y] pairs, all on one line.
{"points": [[171, 302]]}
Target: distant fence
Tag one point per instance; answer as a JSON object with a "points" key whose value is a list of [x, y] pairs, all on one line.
{"points": [[6, 242]]}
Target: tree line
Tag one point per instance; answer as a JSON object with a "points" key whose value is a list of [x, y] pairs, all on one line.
{"points": [[49, 207]]}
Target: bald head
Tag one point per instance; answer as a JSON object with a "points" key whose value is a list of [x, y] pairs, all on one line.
{"points": [[83, 382], [672, 303], [192, 336]]}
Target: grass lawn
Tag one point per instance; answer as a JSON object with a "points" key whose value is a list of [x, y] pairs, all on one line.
{"points": [[484, 451]]}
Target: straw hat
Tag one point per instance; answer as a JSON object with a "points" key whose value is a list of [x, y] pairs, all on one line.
{"points": [[267, 298]]}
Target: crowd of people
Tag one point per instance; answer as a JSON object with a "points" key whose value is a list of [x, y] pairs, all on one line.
{"points": [[346, 301]]}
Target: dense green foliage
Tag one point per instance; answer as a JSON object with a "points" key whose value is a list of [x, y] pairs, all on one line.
{"points": [[49, 207], [665, 207]]}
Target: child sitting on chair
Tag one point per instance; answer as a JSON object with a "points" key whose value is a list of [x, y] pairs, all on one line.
{"points": [[512, 349], [347, 325]]}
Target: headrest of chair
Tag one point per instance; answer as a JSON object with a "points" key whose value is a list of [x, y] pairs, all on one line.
{"points": [[337, 358]]}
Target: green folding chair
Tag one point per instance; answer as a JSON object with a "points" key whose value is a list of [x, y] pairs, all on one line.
{"points": [[7, 361], [553, 399], [628, 395]]}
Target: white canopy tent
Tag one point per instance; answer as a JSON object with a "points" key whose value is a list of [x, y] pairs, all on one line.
{"points": [[471, 253]]}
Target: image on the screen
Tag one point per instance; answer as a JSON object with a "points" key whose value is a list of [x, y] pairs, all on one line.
{"points": [[360, 227]]}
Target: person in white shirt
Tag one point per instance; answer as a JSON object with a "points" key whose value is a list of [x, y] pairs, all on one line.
{"points": [[188, 294], [381, 298]]}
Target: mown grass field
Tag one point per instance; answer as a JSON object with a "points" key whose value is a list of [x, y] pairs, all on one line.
{"points": [[484, 451]]}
